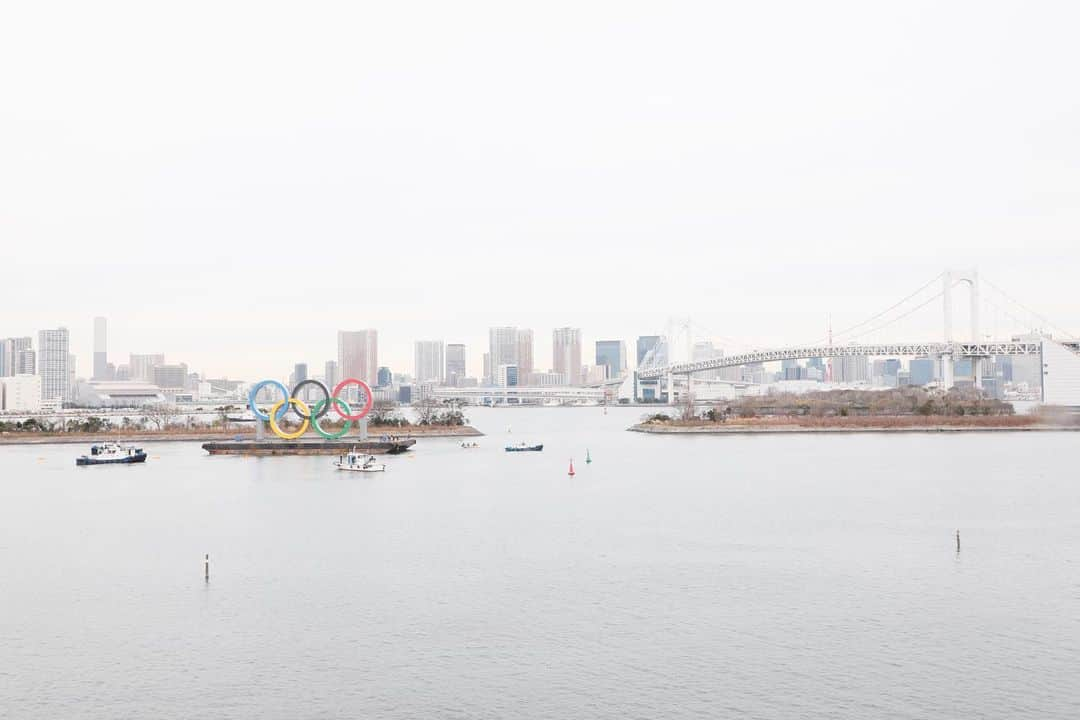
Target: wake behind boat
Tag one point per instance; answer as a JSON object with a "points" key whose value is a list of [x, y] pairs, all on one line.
{"points": [[112, 453], [523, 447], [359, 462]]}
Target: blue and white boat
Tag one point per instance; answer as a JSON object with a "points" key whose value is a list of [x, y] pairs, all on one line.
{"points": [[111, 453]]}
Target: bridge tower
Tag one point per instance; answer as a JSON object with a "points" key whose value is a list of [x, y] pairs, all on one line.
{"points": [[949, 279]]}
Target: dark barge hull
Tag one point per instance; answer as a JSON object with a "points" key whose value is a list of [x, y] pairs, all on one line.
{"points": [[266, 448], [129, 460]]}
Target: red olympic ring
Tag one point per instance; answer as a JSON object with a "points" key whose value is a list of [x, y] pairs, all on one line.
{"points": [[367, 405]]}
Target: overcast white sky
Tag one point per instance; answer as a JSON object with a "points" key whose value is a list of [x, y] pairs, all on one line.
{"points": [[230, 183]]}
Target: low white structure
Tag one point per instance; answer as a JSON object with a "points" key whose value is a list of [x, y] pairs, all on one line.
{"points": [[1060, 375], [117, 393], [20, 393]]}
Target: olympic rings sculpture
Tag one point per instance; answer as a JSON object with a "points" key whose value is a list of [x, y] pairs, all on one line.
{"points": [[310, 416]]}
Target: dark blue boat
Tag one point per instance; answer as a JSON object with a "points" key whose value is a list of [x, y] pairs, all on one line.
{"points": [[110, 453], [522, 447]]}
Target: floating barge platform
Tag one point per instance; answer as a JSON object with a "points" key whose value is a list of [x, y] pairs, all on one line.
{"points": [[308, 447]]}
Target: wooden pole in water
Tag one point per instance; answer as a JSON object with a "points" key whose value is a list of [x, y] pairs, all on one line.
{"points": [[206, 567], [957, 541]]}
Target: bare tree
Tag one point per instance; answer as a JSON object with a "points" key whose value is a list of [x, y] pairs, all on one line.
{"points": [[161, 415], [427, 411], [687, 411]]}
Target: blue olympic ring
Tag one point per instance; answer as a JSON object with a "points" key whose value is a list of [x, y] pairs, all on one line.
{"points": [[255, 408]]}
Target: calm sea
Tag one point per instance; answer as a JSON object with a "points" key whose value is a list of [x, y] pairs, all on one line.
{"points": [[792, 576]]}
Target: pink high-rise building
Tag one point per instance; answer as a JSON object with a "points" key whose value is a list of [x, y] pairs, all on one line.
{"points": [[358, 355]]}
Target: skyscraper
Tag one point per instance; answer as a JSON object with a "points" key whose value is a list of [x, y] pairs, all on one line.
{"points": [[566, 353], [525, 364], [171, 377], [851, 369], [502, 349], [52, 362], [16, 356], [922, 371], [101, 352], [430, 364], [141, 367], [358, 354], [299, 373], [649, 343], [507, 376], [330, 373], [612, 355], [455, 364]]}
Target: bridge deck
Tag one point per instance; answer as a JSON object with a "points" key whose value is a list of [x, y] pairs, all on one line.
{"points": [[957, 349]]}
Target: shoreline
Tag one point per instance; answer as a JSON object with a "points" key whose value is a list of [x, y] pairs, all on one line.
{"points": [[137, 437], [800, 429]]}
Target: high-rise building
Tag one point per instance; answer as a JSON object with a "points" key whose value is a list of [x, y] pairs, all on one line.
{"points": [[851, 369], [384, 378], [886, 372], [52, 362], [792, 370], [651, 344], [525, 352], [358, 354], [705, 350], [922, 371], [16, 356], [612, 355], [594, 374], [299, 373], [330, 374], [429, 361], [26, 362], [566, 353], [502, 349], [171, 377], [507, 376], [20, 393], [101, 352], [141, 367], [455, 364]]}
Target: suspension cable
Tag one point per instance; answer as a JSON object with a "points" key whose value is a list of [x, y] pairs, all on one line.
{"points": [[892, 307], [920, 306], [1028, 310]]}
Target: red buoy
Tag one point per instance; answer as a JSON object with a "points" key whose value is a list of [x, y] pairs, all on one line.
{"points": [[571, 473]]}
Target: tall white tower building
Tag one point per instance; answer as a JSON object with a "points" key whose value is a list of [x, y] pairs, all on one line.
{"points": [[430, 364], [566, 353], [52, 362]]}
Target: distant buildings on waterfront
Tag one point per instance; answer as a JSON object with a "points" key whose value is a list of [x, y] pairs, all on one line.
{"points": [[45, 377]]}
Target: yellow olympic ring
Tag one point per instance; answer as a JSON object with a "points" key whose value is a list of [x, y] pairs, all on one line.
{"points": [[297, 433]]}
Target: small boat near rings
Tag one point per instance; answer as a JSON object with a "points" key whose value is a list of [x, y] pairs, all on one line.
{"points": [[359, 462]]}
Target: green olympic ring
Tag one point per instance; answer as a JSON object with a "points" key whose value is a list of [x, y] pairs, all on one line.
{"points": [[315, 418]]}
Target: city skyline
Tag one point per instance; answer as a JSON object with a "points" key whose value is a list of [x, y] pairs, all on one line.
{"points": [[138, 366], [674, 190]]}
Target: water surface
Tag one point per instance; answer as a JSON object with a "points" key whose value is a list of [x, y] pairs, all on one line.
{"points": [[786, 576]]}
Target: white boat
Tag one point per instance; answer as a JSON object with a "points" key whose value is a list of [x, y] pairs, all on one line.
{"points": [[359, 462], [112, 453]]}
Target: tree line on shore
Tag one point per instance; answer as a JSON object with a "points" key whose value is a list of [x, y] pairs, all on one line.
{"points": [[164, 417], [914, 403]]}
